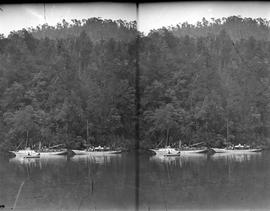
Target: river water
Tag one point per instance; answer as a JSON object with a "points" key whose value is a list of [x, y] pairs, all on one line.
{"points": [[198, 182]]}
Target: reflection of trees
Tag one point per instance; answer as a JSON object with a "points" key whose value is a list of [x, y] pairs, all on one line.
{"points": [[72, 184], [94, 159], [235, 157], [201, 182], [174, 183], [179, 161]]}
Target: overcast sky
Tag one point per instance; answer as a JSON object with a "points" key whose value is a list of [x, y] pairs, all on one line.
{"points": [[151, 15], [157, 15], [16, 17]]}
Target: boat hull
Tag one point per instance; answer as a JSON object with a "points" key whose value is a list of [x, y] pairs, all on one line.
{"points": [[241, 151], [236, 151], [166, 152], [26, 153], [94, 153], [187, 152], [219, 150], [31, 156], [256, 150], [53, 153]]}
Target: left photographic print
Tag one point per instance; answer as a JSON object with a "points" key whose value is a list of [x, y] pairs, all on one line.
{"points": [[67, 87]]}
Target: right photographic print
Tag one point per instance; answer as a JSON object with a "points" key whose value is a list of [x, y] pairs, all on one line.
{"points": [[204, 105]]}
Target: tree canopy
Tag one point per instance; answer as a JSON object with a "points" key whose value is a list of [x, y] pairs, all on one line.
{"points": [[77, 82]]}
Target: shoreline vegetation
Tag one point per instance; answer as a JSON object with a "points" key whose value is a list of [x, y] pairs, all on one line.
{"points": [[74, 84]]}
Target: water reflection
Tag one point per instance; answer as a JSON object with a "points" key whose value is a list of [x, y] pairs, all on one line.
{"points": [[206, 182], [197, 158], [236, 157], [24, 161], [54, 160], [68, 183], [180, 160], [60, 160], [95, 159], [188, 182]]}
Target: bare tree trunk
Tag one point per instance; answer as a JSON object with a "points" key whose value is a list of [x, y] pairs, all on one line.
{"points": [[227, 129], [167, 138], [87, 133], [26, 138]]}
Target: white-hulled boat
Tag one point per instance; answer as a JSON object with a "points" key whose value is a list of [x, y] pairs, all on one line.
{"points": [[219, 150], [27, 153], [94, 153], [53, 150], [167, 152], [193, 151], [97, 151], [49, 153], [238, 149]]}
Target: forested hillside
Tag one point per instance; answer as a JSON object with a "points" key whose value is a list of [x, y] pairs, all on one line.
{"points": [[212, 88], [204, 84], [97, 29], [52, 89], [236, 27]]}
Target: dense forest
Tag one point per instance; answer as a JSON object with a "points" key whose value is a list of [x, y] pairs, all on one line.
{"points": [[207, 85], [236, 27], [97, 29], [52, 90], [75, 84]]}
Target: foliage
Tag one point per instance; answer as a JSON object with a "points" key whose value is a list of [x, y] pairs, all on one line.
{"points": [[52, 87], [74, 84], [219, 82]]}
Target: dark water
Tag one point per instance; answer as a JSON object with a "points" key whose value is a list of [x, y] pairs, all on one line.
{"points": [[238, 182]]}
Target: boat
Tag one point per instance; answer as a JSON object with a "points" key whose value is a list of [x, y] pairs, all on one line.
{"points": [[96, 151], [193, 151], [27, 153], [219, 150], [167, 152], [237, 149], [32, 156], [63, 152], [48, 153]]}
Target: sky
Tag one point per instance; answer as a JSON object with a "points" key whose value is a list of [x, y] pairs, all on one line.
{"points": [[16, 17], [151, 15], [157, 15]]}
